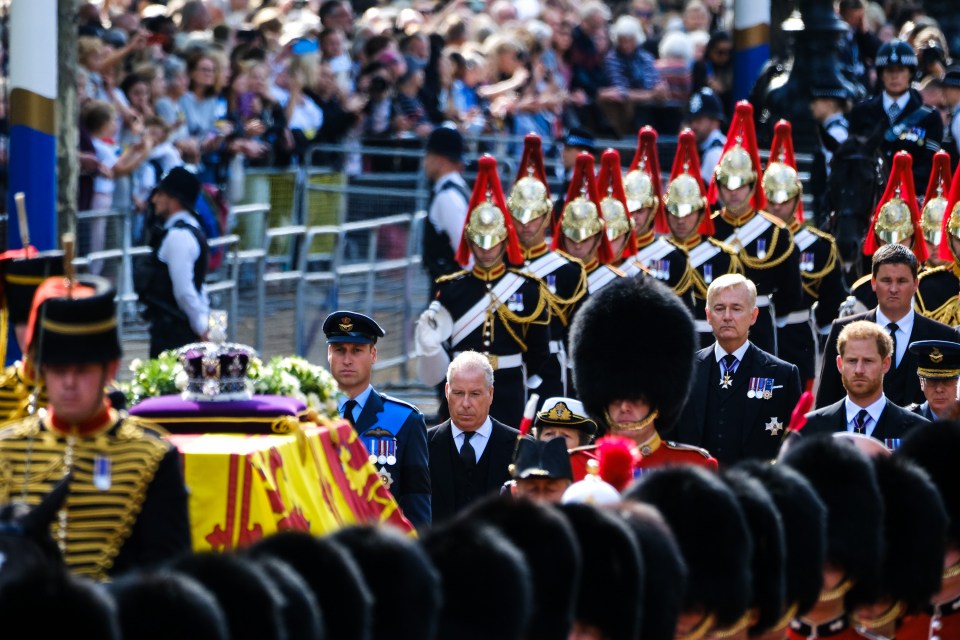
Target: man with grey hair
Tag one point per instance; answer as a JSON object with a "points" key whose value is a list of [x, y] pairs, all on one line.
{"points": [[470, 453], [745, 395]]}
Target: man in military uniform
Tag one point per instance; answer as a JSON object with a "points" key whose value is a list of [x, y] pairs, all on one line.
{"points": [[618, 224], [493, 309], [630, 346], [934, 206], [764, 242], [691, 229], [581, 232], [566, 280], [655, 256], [745, 395], [939, 371], [937, 291], [393, 431], [897, 120], [576, 142], [127, 504], [821, 270]]}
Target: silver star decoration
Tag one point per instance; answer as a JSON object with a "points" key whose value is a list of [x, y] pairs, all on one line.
{"points": [[774, 426]]}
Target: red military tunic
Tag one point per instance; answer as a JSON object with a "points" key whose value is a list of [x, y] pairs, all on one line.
{"points": [[657, 452], [579, 459], [918, 627], [839, 629]]}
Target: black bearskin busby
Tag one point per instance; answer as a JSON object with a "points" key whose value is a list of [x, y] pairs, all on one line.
{"points": [[805, 529], [611, 583], [485, 579], [633, 340], [768, 566], [666, 572], [712, 533], [166, 604], [844, 479], [916, 533], [934, 448], [334, 577], [300, 612], [407, 606], [62, 606], [553, 555]]}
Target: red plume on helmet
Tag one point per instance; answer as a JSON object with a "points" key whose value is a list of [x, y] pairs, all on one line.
{"points": [[647, 154], [742, 130], [687, 160], [610, 184], [488, 184], [953, 198], [585, 179], [781, 150], [940, 176], [533, 156], [901, 179]]}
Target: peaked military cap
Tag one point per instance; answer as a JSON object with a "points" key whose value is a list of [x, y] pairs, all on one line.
{"points": [[937, 358], [352, 327], [567, 413]]}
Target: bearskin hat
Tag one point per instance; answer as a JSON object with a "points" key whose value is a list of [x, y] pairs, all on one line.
{"points": [[334, 576], [237, 582], [301, 613], [693, 501], [612, 581], [652, 334], [804, 520], [38, 605], [166, 604], [916, 532], [933, 447], [550, 547], [407, 606], [768, 565], [666, 572], [844, 479], [484, 572]]}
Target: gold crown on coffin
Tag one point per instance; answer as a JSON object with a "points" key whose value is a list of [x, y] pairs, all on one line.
{"points": [[487, 227], [894, 223], [931, 218], [615, 217], [581, 219], [528, 199], [735, 168], [683, 196], [781, 183], [216, 371], [638, 187]]}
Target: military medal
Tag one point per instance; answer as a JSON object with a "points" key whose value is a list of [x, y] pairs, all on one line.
{"points": [[708, 273], [552, 283], [382, 446], [761, 248], [753, 388], [774, 426], [101, 473], [806, 261], [767, 388], [726, 380], [891, 443]]}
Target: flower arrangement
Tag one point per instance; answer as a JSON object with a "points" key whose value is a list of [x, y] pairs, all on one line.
{"points": [[289, 376]]}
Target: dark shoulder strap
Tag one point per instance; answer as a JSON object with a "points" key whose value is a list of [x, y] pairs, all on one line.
{"points": [[456, 186]]}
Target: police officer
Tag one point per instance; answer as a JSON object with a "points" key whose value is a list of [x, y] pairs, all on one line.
{"points": [[565, 278], [447, 209], [138, 516], [938, 367], [821, 270], [493, 309], [393, 431], [691, 229], [951, 98], [937, 292], [764, 242], [705, 117], [897, 119]]}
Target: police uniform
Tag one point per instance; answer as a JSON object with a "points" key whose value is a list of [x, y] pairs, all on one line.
{"points": [[127, 504], [705, 104], [765, 244], [564, 276], [393, 431]]}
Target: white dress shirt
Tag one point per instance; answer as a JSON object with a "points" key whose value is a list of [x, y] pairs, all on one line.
{"points": [[448, 211], [719, 353], [480, 437], [904, 329], [901, 102], [361, 401], [874, 410], [180, 251]]}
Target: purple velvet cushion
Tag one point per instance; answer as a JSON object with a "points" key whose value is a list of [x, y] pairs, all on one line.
{"points": [[256, 415]]}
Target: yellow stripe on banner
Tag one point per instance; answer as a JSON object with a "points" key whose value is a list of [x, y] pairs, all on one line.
{"points": [[32, 110], [751, 37]]}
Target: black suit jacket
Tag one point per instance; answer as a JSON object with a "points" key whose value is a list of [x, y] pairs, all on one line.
{"points": [[503, 441], [758, 441], [923, 410], [894, 422], [901, 384]]}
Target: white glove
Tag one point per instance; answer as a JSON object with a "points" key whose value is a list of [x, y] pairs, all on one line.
{"points": [[434, 326]]}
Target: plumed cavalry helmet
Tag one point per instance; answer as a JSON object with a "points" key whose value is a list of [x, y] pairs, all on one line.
{"points": [[613, 202], [896, 52], [685, 193], [897, 216], [530, 197], [740, 160], [487, 222], [781, 182], [581, 216], [641, 183], [935, 201], [950, 226]]}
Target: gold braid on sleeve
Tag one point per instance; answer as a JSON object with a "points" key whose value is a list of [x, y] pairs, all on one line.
{"points": [[508, 318], [811, 281], [769, 261]]}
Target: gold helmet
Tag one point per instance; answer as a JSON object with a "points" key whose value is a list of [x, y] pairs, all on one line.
{"points": [[638, 186], [931, 218], [894, 221], [683, 196], [781, 182], [581, 219], [615, 217], [953, 224], [487, 227], [735, 168], [528, 199]]}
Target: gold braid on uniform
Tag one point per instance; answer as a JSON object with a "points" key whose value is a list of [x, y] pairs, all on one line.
{"points": [[561, 306], [947, 313], [880, 621], [811, 281], [736, 266], [508, 317], [768, 262], [451, 276], [94, 522]]}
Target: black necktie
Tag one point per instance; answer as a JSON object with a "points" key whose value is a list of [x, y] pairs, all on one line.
{"points": [[892, 328], [348, 407], [860, 421], [467, 452]]}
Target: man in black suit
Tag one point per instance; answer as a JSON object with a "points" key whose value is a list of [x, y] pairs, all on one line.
{"points": [[939, 372], [895, 282], [865, 356], [470, 454], [743, 395], [393, 431]]}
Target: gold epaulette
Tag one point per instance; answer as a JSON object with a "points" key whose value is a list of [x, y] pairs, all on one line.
{"points": [[679, 446], [773, 219], [15, 394], [452, 276], [949, 311], [932, 270], [862, 280], [723, 246]]}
